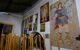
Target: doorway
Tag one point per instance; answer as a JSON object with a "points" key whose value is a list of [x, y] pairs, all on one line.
{"points": [[5, 29]]}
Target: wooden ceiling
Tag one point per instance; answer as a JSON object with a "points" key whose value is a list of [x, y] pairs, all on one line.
{"points": [[15, 6]]}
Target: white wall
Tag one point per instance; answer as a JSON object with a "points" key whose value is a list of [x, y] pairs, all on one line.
{"points": [[15, 21], [36, 9], [78, 9]]}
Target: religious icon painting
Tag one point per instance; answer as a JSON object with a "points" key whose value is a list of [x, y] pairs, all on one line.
{"points": [[23, 26], [30, 26], [42, 27], [25, 23], [62, 27], [35, 23], [30, 20], [44, 13]]}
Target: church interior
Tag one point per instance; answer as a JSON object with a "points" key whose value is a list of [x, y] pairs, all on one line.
{"points": [[39, 24]]}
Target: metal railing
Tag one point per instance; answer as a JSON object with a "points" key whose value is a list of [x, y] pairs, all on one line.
{"points": [[25, 42]]}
